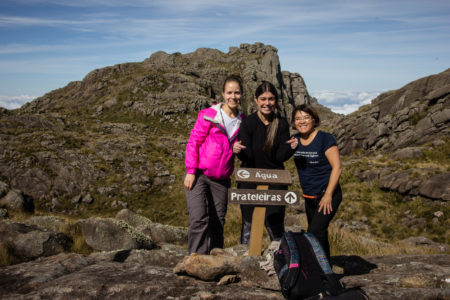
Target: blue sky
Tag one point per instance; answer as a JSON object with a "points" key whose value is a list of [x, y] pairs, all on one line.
{"points": [[347, 51]]}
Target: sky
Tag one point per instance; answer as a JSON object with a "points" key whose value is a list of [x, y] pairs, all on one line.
{"points": [[348, 52]]}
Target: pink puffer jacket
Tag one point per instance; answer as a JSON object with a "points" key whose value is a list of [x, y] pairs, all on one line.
{"points": [[209, 148]]}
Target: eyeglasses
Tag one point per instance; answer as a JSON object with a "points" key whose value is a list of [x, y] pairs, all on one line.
{"points": [[305, 118]]}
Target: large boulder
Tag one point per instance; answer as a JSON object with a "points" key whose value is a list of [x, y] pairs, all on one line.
{"points": [[437, 187], [30, 242], [109, 234], [158, 232], [16, 200], [209, 267], [228, 264]]}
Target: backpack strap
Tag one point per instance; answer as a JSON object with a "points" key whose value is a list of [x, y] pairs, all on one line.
{"points": [[332, 285], [320, 254], [294, 262]]}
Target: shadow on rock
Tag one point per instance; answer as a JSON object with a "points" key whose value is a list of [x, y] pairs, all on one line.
{"points": [[121, 255], [353, 264]]}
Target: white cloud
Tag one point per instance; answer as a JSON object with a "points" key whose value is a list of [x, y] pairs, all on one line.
{"points": [[27, 21], [13, 102], [344, 102]]}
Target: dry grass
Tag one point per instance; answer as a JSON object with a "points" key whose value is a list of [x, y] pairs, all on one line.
{"points": [[7, 256], [343, 242]]}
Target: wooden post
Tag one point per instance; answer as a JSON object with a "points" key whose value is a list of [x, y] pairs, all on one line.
{"points": [[261, 197], [256, 234]]}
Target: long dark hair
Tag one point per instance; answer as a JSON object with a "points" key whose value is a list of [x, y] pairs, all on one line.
{"points": [[266, 86]]}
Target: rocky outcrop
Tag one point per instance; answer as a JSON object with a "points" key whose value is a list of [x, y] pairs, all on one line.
{"points": [[417, 113], [405, 124], [133, 274], [108, 134], [413, 182], [175, 83], [138, 269]]}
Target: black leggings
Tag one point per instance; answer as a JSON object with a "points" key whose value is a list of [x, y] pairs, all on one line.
{"points": [[274, 222], [318, 222]]}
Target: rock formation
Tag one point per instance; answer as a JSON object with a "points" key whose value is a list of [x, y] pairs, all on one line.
{"points": [[99, 136], [418, 113], [143, 274], [404, 123]]}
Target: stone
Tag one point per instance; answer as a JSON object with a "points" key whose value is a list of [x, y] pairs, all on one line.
{"points": [[437, 187], [108, 234], [159, 233], [13, 200], [76, 199], [227, 279], [409, 152], [438, 214], [440, 118], [87, 199], [208, 267], [30, 242], [4, 188]]}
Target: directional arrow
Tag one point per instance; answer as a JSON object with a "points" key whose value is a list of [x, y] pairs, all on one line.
{"points": [[290, 198]]}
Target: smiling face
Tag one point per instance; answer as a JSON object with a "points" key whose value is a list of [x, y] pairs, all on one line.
{"points": [[266, 103], [304, 122], [232, 95]]}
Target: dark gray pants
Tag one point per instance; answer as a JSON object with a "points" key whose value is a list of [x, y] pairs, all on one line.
{"points": [[207, 207]]}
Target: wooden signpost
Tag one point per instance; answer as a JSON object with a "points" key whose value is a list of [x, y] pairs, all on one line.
{"points": [[261, 197]]}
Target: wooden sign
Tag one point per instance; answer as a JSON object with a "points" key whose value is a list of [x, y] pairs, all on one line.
{"points": [[263, 176], [263, 197]]}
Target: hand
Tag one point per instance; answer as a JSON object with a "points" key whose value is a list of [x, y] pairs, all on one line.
{"points": [[325, 204], [237, 147], [293, 142], [189, 181]]}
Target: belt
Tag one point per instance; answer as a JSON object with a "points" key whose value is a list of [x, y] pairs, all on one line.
{"points": [[310, 197]]}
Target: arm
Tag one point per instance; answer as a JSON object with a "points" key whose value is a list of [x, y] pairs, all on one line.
{"points": [[332, 154], [196, 139], [284, 149], [245, 140]]}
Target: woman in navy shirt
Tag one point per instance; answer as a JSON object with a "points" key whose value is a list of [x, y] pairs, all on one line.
{"points": [[319, 168]]}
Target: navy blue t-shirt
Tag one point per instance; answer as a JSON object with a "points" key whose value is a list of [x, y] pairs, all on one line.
{"points": [[312, 165]]}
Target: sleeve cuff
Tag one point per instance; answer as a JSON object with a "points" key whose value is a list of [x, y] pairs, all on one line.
{"points": [[191, 171]]}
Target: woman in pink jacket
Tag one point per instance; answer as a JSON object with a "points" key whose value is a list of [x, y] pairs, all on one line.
{"points": [[209, 165]]}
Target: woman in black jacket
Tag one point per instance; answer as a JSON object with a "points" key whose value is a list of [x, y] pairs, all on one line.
{"points": [[264, 142]]}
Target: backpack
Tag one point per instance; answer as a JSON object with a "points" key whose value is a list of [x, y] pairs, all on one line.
{"points": [[303, 269]]}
